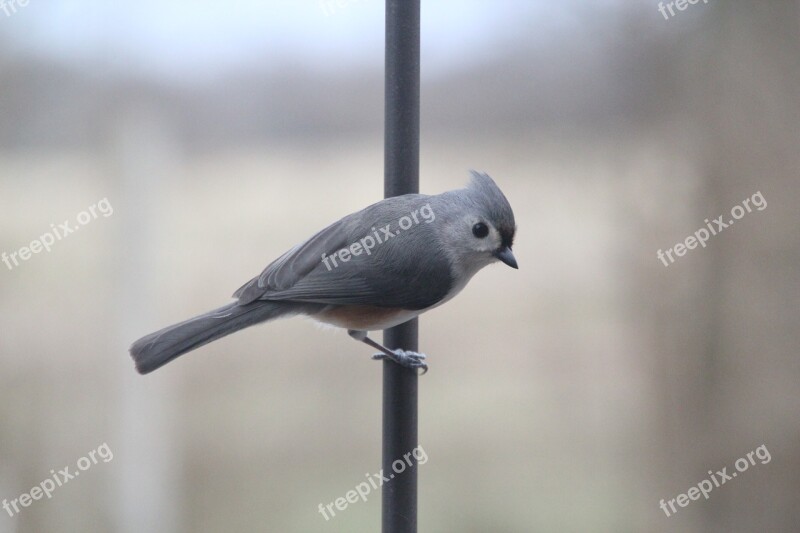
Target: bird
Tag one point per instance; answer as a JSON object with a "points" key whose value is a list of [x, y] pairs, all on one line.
{"points": [[371, 270]]}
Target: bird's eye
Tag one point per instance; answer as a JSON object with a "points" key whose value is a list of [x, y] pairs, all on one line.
{"points": [[480, 230]]}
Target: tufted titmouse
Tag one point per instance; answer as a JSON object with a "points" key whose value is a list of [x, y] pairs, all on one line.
{"points": [[371, 270]]}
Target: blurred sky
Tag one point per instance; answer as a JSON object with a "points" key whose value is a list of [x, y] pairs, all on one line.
{"points": [[187, 39]]}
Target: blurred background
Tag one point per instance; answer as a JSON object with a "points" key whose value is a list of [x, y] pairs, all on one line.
{"points": [[571, 395]]}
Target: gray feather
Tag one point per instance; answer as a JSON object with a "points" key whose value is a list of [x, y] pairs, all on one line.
{"points": [[396, 273], [161, 347], [487, 197]]}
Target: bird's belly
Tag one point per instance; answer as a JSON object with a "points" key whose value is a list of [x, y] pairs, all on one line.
{"points": [[364, 317]]}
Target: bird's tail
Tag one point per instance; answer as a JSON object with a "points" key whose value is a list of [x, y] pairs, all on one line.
{"points": [[161, 347]]}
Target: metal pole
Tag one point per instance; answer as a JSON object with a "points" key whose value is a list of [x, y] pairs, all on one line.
{"points": [[401, 176]]}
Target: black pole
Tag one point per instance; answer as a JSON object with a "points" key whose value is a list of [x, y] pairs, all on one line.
{"points": [[401, 176]]}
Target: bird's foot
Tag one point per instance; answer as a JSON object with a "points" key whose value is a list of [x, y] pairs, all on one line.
{"points": [[412, 360]]}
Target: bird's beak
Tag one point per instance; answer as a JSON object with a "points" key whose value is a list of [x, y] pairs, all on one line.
{"points": [[506, 256]]}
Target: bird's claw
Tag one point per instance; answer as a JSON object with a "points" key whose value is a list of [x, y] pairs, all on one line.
{"points": [[407, 359]]}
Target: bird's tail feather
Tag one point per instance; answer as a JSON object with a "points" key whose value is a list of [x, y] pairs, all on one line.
{"points": [[159, 348]]}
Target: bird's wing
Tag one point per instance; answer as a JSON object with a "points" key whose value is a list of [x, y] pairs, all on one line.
{"points": [[407, 271]]}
